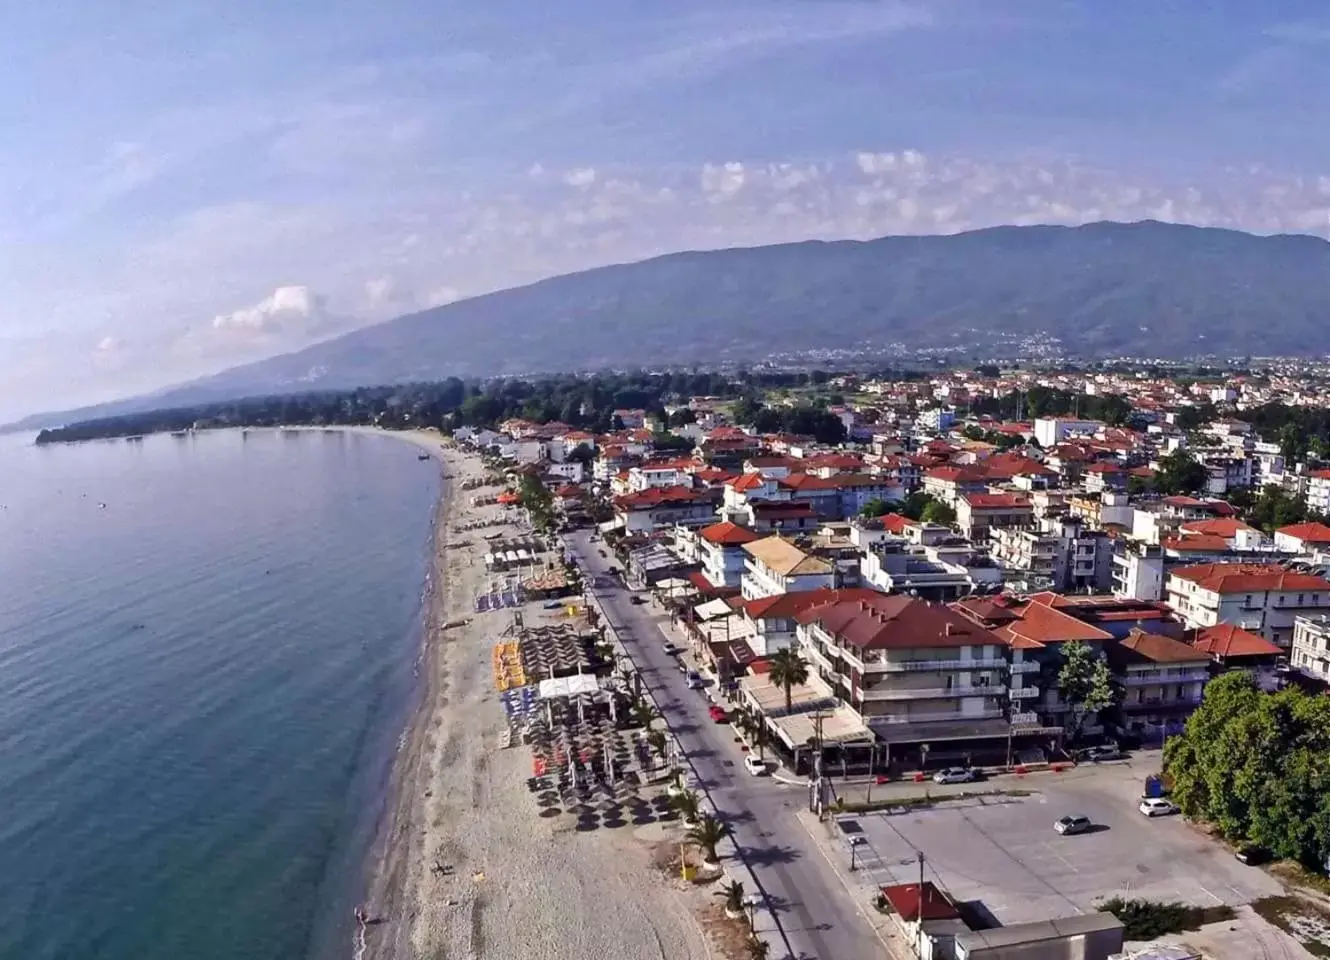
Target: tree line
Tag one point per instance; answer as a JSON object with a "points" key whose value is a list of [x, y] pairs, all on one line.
{"points": [[586, 402]]}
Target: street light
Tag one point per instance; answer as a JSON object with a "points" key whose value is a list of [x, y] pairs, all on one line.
{"points": [[855, 843]]}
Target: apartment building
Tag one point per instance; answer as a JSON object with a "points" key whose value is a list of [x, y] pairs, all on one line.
{"points": [[657, 507], [1162, 679], [1318, 491], [914, 671], [1311, 646], [720, 551], [1303, 538], [774, 565], [1261, 598], [979, 513], [1059, 554]]}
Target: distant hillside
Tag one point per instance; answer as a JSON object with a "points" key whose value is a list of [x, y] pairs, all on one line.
{"points": [[1104, 289]]}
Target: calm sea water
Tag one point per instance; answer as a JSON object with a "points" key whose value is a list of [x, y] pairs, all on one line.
{"points": [[202, 686]]}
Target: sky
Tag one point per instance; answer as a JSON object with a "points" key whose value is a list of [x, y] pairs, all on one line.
{"points": [[187, 186]]}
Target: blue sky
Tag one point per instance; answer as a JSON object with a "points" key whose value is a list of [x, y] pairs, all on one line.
{"points": [[191, 185]]}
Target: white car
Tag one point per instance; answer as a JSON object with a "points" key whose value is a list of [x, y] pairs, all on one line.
{"points": [[1156, 807], [754, 766], [955, 775]]}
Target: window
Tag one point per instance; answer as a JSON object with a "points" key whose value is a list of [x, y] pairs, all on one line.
{"points": [[1301, 599]]}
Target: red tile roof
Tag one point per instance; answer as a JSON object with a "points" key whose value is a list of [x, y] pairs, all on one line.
{"points": [[806, 482], [728, 534], [658, 496], [995, 501], [1229, 640], [786, 605], [1227, 527], [1248, 578], [899, 622], [1141, 647], [749, 481], [1196, 544], [1307, 532]]}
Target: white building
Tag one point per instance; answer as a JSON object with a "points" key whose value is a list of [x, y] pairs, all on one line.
{"points": [[1138, 570], [720, 549], [1050, 431], [1311, 646], [1060, 552], [775, 565], [1260, 598], [1318, 491]]}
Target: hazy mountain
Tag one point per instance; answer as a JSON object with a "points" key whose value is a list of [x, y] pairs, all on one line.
{"points": [[1104, 289]]}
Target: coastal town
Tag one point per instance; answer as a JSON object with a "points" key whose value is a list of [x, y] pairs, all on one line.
{"points": [[922, 687]]}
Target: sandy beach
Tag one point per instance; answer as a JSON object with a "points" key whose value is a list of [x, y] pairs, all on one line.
{"points": [[517, 886]]}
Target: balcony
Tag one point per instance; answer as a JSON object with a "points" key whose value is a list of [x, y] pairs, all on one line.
{"points": [[1025, 666], [930, 693], [1025, 693], [1157, 678], [935, 666], [944, 716]]}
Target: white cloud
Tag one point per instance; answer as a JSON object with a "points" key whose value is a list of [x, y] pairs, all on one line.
{"points": [[721, 181], [581, 177], [285, 310], [441, 295]]}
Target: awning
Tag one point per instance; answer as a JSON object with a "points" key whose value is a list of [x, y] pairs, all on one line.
{"points": [[712, 609], [569, 686]]}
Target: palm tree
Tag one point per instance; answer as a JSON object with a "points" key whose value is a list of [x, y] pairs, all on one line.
{"points": [[761, 738], [658, 742], [787, 671], [688, 804], [644, 714], [706, 833], [733, 895], [758, 949]]}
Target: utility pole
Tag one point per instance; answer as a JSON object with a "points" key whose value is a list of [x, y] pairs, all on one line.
{"points": [[919, 925]]}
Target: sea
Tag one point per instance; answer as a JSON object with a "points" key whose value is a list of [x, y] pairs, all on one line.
{"points": [[209, 647]]}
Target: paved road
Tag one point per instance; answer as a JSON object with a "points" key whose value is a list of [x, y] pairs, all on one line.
{"points": [[817, 919]]}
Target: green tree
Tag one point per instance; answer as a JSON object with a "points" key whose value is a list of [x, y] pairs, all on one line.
{"points": [[875, 508], [1257, 766], [787, 671], [1293, 444], [582, 453], [1180, 473], [935, 511], [1085, 683], [688, 804], [733, 895], [707, 833]]}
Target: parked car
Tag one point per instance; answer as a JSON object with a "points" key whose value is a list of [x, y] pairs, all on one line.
{"points": [[754, 766], [956, 775], [553, 605], [1158, 807], [601, 552], [695, 681], [671, 650], [636, 600], [1105, 752], [1076, 823], [717, 713], [1252, 856]]}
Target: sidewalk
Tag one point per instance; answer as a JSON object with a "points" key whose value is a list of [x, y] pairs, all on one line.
{"points": [[858, 885]]}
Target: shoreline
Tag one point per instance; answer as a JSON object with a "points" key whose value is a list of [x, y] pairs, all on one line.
{"points": [[385, 871]]}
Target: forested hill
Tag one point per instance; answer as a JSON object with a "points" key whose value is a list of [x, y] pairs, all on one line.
{"points": [[1103, 289]]}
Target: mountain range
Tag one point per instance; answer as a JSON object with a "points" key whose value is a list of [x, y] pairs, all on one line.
{"points": [[1102, 289]]}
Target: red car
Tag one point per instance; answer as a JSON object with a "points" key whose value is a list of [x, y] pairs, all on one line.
{"points": [[718, 713]]}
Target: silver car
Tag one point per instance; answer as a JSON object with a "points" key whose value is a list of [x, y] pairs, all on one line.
{"points": [[955, 775], [1072, 825]]}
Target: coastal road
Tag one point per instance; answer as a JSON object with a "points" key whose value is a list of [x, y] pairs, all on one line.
{"points": [[817, 918]]}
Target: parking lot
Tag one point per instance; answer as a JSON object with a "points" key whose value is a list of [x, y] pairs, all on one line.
{"points": [[1002, 852]]}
